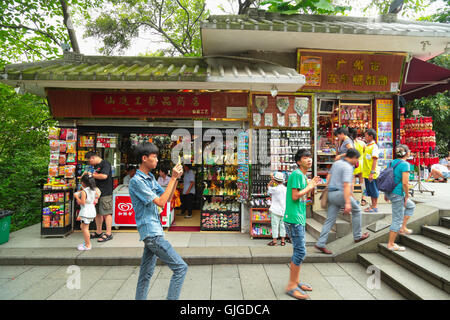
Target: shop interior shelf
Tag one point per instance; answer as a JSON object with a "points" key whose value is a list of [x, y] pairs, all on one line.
{"points": [[223, 195], [261, 236], [261, 221], [218, 212]]}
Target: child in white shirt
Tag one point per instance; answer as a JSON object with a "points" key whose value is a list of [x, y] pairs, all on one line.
{"points": [[277, 190], [86, 199]]}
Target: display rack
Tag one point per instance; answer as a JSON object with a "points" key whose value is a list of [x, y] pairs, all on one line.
{"points": [[56, 220], [260, 223]]}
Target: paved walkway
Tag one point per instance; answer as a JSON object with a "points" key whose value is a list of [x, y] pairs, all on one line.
{"points": [[331, 281]]}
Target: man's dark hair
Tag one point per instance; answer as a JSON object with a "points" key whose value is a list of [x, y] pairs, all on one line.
{"points": [[131, 168], [341, 130], [145, 149], [352, 133], [164, 169], [90, 154], [352, 153], [372, 133], [302, 153]]}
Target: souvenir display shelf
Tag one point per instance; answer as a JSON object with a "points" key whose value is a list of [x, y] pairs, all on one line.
{"points": [[260, 223]]}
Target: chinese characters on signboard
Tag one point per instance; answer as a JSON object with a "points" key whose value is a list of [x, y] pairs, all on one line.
{"points": [[156, 105], [345, 71]]}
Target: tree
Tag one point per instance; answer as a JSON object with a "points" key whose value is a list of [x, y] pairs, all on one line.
{"points": [[326, 7], [24, 154], [176, 22], [35, 29], [442, 15]]}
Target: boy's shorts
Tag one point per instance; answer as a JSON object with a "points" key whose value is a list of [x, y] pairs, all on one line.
{"points": [[372, 188]]}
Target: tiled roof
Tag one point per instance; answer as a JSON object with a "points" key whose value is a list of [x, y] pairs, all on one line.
{"points": [[385, 25]]}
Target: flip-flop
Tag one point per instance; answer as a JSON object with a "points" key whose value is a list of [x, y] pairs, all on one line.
{"points": [[407, 232], [304, 286], [363, 202], [291, 293], [396, 247], [272, 244], [283, 243]]}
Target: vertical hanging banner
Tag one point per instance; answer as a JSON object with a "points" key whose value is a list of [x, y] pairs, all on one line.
{"points": [[385, 109]]}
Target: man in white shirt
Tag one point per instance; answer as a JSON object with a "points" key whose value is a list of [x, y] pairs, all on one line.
{"points": [[131, 172], [277, 190], [188, 196]]}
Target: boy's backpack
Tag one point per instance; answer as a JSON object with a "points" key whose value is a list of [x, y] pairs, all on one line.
{"points": [[385, 181]]}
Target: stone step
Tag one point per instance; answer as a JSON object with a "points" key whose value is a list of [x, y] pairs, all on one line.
{"points": [[429, 247], [404, 281], [314, 227], [366, 217], [441, 234], [445, 222], [341, 227], [425, 267]]}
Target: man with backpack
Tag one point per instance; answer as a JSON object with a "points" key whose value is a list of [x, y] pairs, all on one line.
{"points": [[394, 181], [339, 182]]}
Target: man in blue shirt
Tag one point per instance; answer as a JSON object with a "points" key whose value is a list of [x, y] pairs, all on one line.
{"points": [[146, 195]]}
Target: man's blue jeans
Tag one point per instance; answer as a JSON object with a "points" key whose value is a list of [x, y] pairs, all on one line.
{"points": [[335, 202], [158, 247]]}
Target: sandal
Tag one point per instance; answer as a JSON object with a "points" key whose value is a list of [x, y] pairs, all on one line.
{"points": [[283, 243], [304, 286], [303, 296], [272, 244], [105, 238], [396, 247], [370, 209], [363, 202], [96, 235]]}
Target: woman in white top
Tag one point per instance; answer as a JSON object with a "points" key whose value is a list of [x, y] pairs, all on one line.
{"points": [[164, 177], [86, 199]]}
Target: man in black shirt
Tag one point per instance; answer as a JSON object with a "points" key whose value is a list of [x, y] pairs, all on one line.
{"points": [[103, 180]]}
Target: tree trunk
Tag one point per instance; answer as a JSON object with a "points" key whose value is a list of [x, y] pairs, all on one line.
{"points": [[69, 26]]}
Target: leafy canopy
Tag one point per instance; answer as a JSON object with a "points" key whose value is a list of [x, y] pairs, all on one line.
{"points": [[305, 6], [176, 22]]}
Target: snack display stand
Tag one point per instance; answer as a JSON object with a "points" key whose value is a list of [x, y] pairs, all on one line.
{"points": [[56, 212]]}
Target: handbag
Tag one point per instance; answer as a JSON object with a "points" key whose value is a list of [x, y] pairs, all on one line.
{"points": [[324, 198]]}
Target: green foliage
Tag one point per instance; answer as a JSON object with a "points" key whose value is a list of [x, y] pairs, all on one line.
{"points": [[24, 154], [442, 15], [305, 6], [34, 29], [175, 21]]}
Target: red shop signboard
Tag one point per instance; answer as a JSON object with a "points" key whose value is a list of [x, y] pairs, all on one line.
{"points": [[153, 105], [350, 71]]}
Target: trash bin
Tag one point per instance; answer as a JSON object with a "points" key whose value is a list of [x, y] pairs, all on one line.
{"points": [[5, 223]]}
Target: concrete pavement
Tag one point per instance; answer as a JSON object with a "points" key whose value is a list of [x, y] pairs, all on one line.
{"points": [[330, 281]]}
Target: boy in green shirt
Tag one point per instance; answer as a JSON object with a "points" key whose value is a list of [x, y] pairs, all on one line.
{"points": [[295, 220]]}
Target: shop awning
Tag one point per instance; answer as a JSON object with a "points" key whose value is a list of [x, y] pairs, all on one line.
{"points": [[136, 73], [423, 79]]}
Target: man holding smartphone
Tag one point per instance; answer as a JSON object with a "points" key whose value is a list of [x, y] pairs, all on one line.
{"points": [[146, 195]]}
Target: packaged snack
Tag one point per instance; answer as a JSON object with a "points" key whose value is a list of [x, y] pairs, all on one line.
{"points": [[53, 133], [62, 146], [54, 145], [52, 171], [54, 158], [69, 171], [71, 135], [71, 147], [63, 134], [61, 170], [62, 159], [71, 158]]}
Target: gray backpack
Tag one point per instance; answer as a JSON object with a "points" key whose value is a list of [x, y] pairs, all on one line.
{"points": [[385, 181]]}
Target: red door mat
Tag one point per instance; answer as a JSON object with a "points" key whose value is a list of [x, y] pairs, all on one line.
{"points": [[184, 229]]}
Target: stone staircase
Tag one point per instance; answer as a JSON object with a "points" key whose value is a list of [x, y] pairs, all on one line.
{"points": [[422, 272], [341, 228]]}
